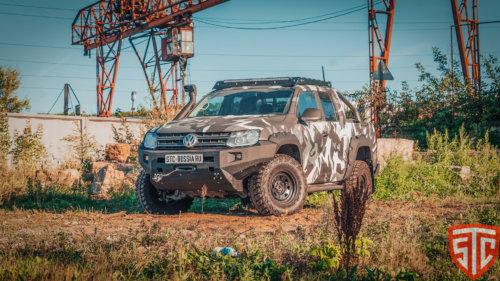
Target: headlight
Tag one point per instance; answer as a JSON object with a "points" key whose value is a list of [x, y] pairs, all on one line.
{"points": [[150, 141], [244, 138]]}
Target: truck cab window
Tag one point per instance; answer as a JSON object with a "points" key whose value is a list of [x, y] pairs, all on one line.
{"points": [[328, 109], [306, 100]]}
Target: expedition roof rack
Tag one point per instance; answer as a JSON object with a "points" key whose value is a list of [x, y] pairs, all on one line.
{"points": [[280, 81]]}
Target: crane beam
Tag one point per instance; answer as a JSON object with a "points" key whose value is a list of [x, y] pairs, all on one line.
{"points": [[105, 24], [107, 21]]}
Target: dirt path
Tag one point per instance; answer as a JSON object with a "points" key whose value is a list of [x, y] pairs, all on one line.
{"points": [[32, 222]]}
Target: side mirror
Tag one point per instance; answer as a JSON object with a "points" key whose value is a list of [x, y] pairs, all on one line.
{"points": [[311, 115]]}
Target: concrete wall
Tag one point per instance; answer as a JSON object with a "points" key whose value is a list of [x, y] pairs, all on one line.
{"points": [[387, 148], [56, 127]]}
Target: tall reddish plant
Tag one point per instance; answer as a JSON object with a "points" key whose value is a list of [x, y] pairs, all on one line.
{"points": [[348, 213]]}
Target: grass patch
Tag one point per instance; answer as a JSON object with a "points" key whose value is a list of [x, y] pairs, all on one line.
{"points": [[212, 205], [414, 249], [437, 170], [61, 199]]}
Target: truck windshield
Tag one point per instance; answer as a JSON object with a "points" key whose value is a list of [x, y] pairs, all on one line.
{"points": [[244, 103]]}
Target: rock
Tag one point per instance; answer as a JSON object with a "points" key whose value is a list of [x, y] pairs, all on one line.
{"points": [[105, 180], [111, 176], [126, 168], [387, 148], [69, 177], [464, 172], [62, 177], [97, 166], [119, 152]]}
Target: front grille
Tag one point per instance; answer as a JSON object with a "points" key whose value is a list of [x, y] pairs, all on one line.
{"points": [[205, 140]]}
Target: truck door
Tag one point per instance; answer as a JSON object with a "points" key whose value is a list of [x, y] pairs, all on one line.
{"points": [[337, 142], [314, 140]]}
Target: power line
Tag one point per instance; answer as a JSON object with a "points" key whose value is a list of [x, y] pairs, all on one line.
{"points": [[260, 21], [35, 16], [37, 7], [195, 82], [229, 54], [214, 70], [199, 69], [206, 19], [283, 26], [291, 20], [336, 29], [39, 46]]}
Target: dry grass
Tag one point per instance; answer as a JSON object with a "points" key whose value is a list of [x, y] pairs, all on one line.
{"points": [[399, 238]]}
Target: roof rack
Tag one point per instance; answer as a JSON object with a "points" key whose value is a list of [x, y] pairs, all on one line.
{"points": [[280, 81]]}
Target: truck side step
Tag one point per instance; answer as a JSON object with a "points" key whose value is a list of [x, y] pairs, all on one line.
{"points": [[324, 187]]}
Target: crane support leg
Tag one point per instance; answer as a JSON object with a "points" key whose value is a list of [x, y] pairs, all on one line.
{"points": [[108, 59], [465, 16], [164, 79], [379, 50]]}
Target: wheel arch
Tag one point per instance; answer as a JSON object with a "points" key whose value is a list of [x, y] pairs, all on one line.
{"points": [[287, 144], [360, 148]]}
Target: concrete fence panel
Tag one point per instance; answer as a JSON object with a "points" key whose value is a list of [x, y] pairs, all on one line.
{"points": [[57, 127]]}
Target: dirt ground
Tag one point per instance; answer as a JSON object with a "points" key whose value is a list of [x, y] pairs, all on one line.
{"points": [[83, 222]]}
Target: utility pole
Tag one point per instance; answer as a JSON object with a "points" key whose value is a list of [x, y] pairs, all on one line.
{"points": [[67, 92], [133, 96], [66, 99]]}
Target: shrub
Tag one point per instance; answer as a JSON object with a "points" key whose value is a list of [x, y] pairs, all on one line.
{"points": [[28, 149], [325, 257], [27, 154], [4, 140], [432, 172], [124, 134], [83, 146]]}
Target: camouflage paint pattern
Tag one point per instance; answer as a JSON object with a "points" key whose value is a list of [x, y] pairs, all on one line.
{"points": [[325, 146]]}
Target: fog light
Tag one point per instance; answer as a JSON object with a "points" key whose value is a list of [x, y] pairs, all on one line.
{"points": [[145, 158], [238, 156]]}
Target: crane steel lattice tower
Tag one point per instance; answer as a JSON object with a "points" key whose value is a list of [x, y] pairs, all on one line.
{"points": [[466, 20], [105, 24], [379, 51]]}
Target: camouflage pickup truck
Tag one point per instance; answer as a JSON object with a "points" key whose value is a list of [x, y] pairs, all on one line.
{"points": [[270, 142]]}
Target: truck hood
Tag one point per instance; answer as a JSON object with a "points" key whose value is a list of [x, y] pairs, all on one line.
{"points": [[221, 124]]}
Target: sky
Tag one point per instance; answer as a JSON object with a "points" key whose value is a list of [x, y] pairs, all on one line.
{"points": [[37, 42]]}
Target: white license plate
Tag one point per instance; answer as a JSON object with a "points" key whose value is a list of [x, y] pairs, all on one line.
{"points": [[184, 158]]}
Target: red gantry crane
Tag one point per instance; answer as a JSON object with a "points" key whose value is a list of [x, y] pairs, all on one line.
{"points": [[163, 28]]}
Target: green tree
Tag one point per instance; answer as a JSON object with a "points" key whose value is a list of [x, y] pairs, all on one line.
{"points": [[9, 84], [441, 101]]}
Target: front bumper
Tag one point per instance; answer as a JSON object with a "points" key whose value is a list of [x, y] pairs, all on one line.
{"points": [[221, 173]]}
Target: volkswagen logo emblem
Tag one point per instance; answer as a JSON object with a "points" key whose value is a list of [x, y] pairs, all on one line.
{"points": [[190, 140]]}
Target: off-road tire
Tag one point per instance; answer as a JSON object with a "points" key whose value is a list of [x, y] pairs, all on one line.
{"points": [[149, 198], [260, 189], [247, 202], [360, 170]]}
